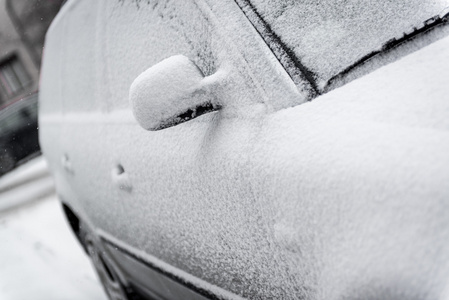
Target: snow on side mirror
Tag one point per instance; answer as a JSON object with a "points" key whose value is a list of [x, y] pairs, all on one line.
{"points": [[172, 92]]}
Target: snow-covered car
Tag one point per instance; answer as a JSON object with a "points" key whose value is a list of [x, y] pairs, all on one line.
{"points": [[192, 163]]}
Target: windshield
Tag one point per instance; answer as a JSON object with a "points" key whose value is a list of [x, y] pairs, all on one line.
{"points": [[327, 37]]}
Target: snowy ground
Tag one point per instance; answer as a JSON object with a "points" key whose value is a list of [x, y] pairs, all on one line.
{"points": [[39, 256]]}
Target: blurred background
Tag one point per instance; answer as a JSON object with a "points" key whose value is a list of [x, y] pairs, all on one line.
{"points": [[39, 255], [23, 24]]}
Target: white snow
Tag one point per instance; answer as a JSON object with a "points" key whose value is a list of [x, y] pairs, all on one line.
{"points": [[27, 182], [40, 258], [328, 36], [165, 91], [344, 197], [172, 87]]}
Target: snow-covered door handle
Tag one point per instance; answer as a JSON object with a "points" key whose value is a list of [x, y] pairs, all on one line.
{"points": [[121, 179], [174, 91], [66, 164]]}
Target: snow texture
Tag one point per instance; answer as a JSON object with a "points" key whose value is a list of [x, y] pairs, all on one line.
{"points": [[40, 257], [329, 36], [161, 95], [344, 197], [26, 183]]}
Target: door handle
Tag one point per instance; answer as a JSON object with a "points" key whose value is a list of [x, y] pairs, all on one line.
{"points": [[66, 164], [121, 179]]}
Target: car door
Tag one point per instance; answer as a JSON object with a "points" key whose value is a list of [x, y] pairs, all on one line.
{"points": [[191, 203], [180, 196]]}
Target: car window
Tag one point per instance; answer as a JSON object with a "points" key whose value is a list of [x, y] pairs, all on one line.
{"points": [[326, 38], [152, 33], [18, 115]]}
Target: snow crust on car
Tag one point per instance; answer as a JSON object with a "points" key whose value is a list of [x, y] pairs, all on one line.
{"points": [[344, 197], [329, 36], [174, 91], [254, 206]]}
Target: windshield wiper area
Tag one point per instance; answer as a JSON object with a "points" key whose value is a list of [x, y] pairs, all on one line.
{"points": [[360, 66]]}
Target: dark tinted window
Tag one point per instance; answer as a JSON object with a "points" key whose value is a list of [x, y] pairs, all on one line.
{"points": [[13, 76]]}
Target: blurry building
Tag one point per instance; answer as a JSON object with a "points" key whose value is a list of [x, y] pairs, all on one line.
{"points": [[23, 24]]}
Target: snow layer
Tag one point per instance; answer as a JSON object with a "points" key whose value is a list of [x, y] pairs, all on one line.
{"points": [[40, 257], [172, 88], [344, 197], [31, 181], [329, 36]]}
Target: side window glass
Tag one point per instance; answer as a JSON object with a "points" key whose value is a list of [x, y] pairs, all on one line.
{"points": [[153, 32]]}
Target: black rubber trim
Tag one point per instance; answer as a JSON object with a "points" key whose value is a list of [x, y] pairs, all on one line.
{"points": [[173, 277], [188, 115], [295, 69]]}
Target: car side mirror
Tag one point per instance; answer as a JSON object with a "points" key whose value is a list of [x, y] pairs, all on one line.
{"points": [[171, 92]]}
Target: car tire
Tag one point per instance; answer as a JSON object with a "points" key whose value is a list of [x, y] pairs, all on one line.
{"points": [[114, 289], [115, 286]]}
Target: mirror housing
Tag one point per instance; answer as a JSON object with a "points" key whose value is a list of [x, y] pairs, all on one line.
{"points": [[172, 92]]}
